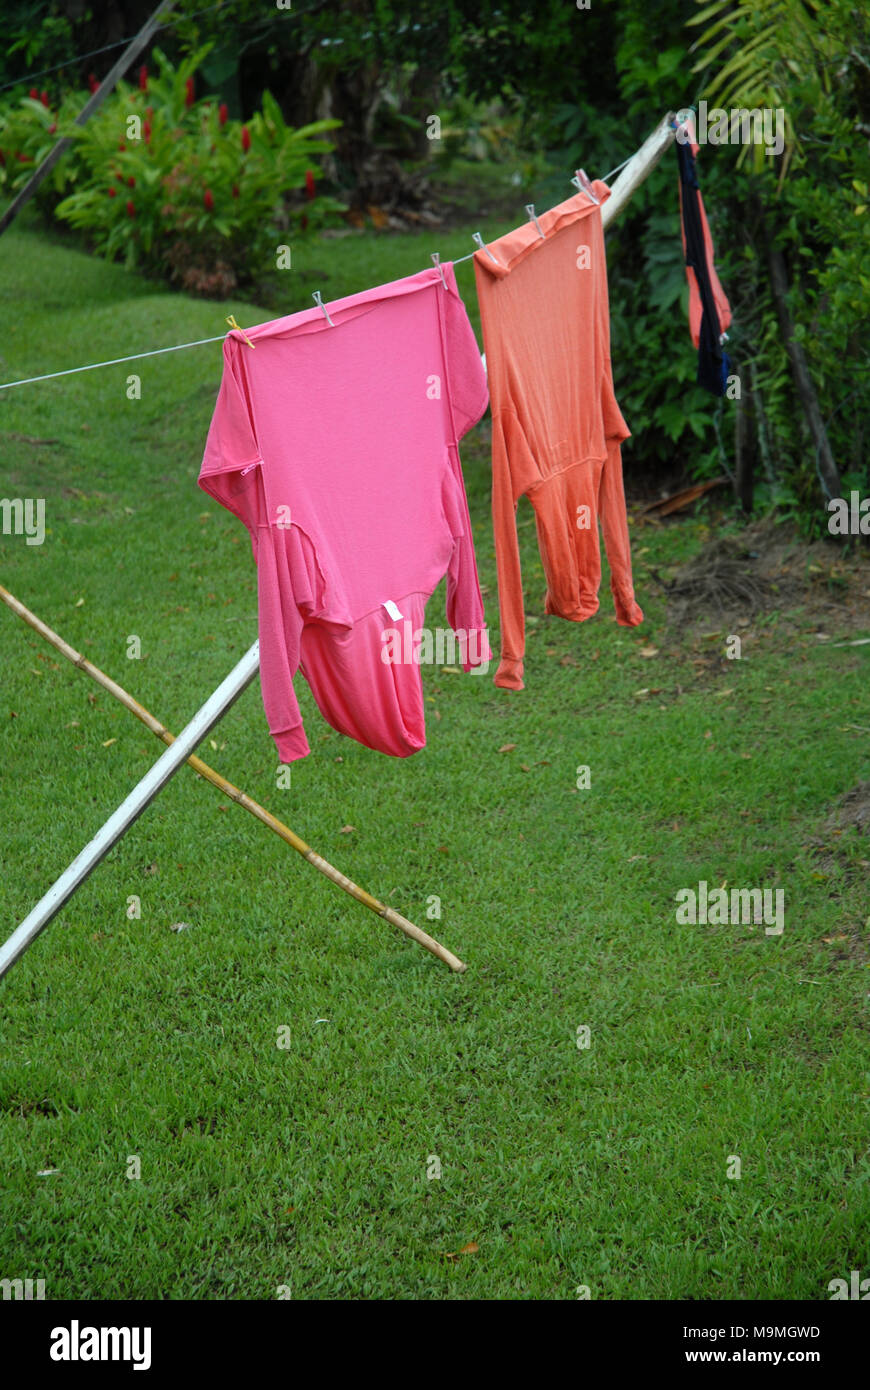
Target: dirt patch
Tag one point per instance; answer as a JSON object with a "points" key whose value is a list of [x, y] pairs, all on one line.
{"points": [[852, 811], [768, 567]]}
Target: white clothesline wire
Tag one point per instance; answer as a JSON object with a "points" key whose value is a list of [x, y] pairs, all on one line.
{"points": [[113, 362], [460, 259], [200, 342]]}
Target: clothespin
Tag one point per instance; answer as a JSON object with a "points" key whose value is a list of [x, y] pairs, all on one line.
{"points": [[582, 183], [231, 320], [320, 304], [481, 243], [436, 261], [530, 209]]}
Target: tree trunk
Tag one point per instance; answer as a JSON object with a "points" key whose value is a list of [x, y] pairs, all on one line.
{"points": [[745, 447], [806, 391]]}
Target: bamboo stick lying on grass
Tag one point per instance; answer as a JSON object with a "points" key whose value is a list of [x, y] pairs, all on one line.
{"points": [[389, 914]]}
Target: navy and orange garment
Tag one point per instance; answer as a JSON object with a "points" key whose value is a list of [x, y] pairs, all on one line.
{"points": [[709, 310]]}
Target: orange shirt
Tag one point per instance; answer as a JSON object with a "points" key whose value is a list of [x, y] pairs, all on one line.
{"points": [[556, 426]]}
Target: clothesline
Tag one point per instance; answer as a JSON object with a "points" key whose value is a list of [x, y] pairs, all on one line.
{"points": [[460, 259], [200, 342], [113, 362]]}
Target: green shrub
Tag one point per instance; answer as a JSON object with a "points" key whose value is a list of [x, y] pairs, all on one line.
{"points": [[170, 184]]}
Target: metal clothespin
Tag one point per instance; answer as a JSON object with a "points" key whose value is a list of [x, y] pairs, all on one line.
{"points": [[320, 304], [530, 209], [436, 261], [581, 182], [231, 320], [482, 244]]}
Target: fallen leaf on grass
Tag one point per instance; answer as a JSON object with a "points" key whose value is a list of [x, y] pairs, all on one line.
{"points": [[507, 748], [347, 830], [649, 651], [470, 1249], [107, 743], [179, 926]]}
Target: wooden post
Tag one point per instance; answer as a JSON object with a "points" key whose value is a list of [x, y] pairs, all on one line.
{"points": [[132, 51]]}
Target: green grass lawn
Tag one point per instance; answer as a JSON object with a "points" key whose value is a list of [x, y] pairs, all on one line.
{"points": [[310, 1165]]}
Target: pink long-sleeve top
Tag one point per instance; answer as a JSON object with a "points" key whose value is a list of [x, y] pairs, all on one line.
{"points": [[338, 449]]}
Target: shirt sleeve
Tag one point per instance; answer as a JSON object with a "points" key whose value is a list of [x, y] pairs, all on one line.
{"points": [[612, 511], [466, 399], [232, 473], [280, 625], [231, 450]]}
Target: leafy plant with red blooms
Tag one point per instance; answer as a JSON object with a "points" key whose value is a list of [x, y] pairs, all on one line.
{"points": [[209, 190], [28, 132]]}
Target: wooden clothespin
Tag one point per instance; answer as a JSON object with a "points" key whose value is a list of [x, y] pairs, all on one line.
{"points": [[231, 320]]}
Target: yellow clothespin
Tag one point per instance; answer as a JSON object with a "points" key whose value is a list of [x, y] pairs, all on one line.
{"points": [[231, 320]]}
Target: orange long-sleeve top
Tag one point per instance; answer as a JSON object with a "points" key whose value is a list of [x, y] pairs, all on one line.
{"points": [[556, 427]]}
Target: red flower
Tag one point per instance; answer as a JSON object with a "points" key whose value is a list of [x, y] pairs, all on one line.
{"points": [[33, 94], [131, 208], [208, 199], [111, 193], [235, 190], [246, 139], [43, 97], [119, 177], [146, 131], [52, 128], [309, 183], [188, 92], [143, 78], [121, 145], [93, 84], [223, 113], [131, 182]]}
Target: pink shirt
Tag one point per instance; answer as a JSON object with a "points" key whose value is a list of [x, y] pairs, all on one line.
{"points": [[337, 447]]}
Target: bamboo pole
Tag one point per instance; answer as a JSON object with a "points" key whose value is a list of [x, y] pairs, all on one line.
{"points": [[389, 914]]}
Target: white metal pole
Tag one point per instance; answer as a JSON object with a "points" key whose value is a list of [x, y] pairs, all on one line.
{"points": [[638, 168], [120, 821]]}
